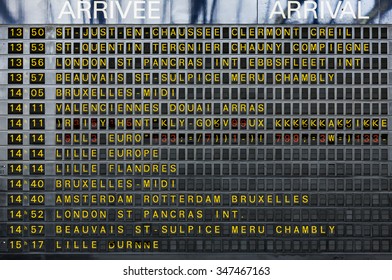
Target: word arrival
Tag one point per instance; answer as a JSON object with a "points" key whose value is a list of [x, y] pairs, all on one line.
{"points": [[320, 9]]}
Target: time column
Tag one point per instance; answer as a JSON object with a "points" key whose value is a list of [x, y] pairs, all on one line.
{"points": [[25, 133], [36, 106], [12, 89]]}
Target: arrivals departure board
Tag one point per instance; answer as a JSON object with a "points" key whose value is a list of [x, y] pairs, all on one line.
{"points": [[171, 129]]}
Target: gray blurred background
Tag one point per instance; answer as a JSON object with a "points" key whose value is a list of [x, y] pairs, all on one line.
{"points": [[188, 11]]}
